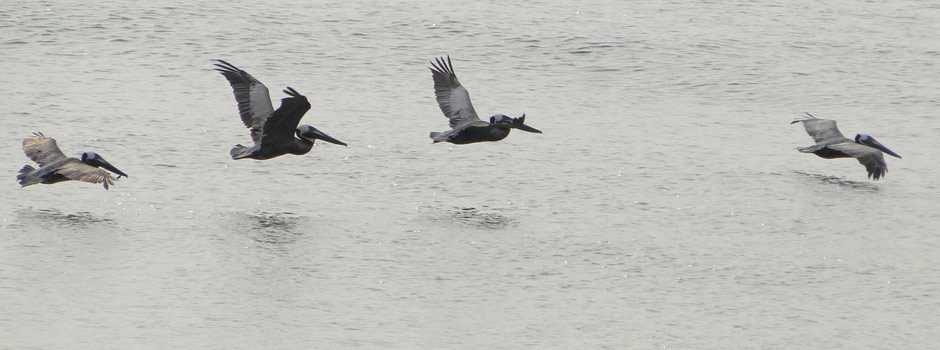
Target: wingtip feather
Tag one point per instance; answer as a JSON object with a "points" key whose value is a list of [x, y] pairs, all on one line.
{"points": [[21, 177]]}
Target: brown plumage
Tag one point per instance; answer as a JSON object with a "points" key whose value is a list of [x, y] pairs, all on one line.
{"points": [[55, 166]]}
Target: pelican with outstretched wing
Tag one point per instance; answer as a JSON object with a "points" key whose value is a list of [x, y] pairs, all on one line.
{"points": [[466, 126], [831, 144], [272, 131], [55, 166]]}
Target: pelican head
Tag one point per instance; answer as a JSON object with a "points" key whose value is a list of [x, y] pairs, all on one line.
{"points": [[311, 134], [515, 123], [501, 119], [869, 141], [93, 159]]}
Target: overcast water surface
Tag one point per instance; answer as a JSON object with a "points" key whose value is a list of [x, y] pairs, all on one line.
{"points": [[664, 206]]}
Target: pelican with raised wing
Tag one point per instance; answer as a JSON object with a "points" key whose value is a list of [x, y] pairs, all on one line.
{"points": [[272, 131], [466, 126], [831, 144], [55, 166]]}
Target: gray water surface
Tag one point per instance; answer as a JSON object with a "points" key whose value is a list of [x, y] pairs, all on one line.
{"points": [[665, 205]]}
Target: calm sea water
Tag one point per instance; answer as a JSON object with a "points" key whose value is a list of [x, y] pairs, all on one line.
{"points": [[665, 206]]}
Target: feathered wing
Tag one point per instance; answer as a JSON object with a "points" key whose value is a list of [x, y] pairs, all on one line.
{"points": [[77, 170], [42, 150], [823, 131], [452, 97], [254, 101], [871, 158], [282, 124]]}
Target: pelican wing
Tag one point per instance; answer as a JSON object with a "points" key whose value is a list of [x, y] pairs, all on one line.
{"points": [[453, 99], [254, 101], [42, 150], [77, 170], [871, 158], [282, 124], [824, 131]]}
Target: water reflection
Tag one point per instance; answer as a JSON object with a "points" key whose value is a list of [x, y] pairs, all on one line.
{"points": [[485, 217], [268, 228], [840, 181], [54, 217]]}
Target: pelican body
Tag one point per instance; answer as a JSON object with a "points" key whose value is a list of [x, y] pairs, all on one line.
{"points": [[830, 144], [55, 166], [272, 131], [466, 126]]}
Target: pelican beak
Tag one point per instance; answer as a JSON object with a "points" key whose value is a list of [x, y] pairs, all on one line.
{"points": [[100, 162], [316, 134], [874, 143], [332, 140], [524, 127], [519, 123]]}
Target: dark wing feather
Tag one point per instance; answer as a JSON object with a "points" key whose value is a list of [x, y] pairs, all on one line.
{"points": [[282, 124], [42, 150], [871, 158], [77, 170], [254, 101], [452, 97]]}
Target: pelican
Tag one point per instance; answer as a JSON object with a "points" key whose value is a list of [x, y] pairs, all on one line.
{"points": [[272, 131], [466, 126], [55, 167], [831, 144]]}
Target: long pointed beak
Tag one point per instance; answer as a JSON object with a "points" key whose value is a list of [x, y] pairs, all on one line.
{"points": [[317, 134], [874, 143], [104, 164], [524, 127], [888, 151]]}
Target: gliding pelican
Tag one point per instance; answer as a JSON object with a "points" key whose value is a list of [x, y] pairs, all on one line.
{"points": [[831, 144], [55, 166]]}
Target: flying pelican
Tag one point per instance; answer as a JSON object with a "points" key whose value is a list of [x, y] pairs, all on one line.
{"points": [[831, 144], [55, 167], [272, 131], [466, 126]]}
